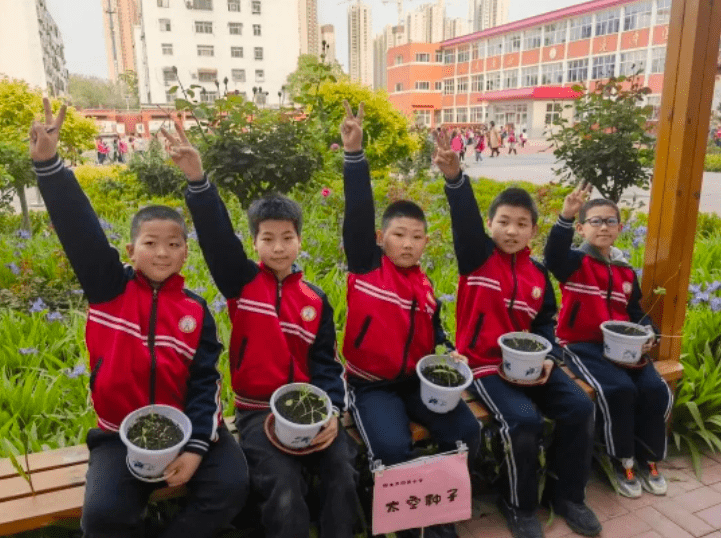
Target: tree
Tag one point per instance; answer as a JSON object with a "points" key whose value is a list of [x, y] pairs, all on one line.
{"points": [[19, 106], [609, 146], [302, 84], [130, 80], [91, 92]]}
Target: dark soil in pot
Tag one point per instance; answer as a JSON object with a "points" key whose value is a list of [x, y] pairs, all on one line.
{"points": [[524, 344], [301, 407], [443, 375], [626, 330], [154, 432]]}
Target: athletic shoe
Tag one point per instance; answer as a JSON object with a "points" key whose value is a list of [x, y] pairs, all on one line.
{"points": [[651, 480], [626, 481], [521, 523], [579, 517]]}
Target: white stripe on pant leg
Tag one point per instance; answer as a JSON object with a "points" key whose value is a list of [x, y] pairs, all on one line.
{"points": [[505, 432], [666, 415], [359, 426], [601, 398]]}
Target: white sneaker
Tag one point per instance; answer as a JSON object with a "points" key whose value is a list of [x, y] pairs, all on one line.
{"points": [[651, 480], [627, 483]]}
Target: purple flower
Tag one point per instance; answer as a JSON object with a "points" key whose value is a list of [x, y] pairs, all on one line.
{"points": [[447, 298], [639, 273], [694, 288], [637, 241], [53, 316], [114, 237], [699, 298], [14, 269], [76, 372], [27, 351], [626, 228], [239, 235], [21, 246], [218, 305], [304, 255], [715, 304], [640, 231], [23, 234], [193, 235], [713, 286], [105, 225], [626, 254], [38, 305]]}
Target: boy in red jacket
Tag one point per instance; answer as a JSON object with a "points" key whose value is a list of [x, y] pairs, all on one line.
{"points": [[283, 332], [150, 340], [502, 289], [597, 285]]}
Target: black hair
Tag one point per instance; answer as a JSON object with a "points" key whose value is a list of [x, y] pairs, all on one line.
{"points": [[156, 212], [597, 202], [493, 124], [274, 207], [514, 197], [400, 209]]}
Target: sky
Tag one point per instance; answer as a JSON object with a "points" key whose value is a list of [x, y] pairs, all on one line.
{"points": [[81, 25]]}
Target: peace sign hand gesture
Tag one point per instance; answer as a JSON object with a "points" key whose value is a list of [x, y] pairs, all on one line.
{"points": [[184, 154], [351, 130], [575, 200], [44, 138], [445, 158]]}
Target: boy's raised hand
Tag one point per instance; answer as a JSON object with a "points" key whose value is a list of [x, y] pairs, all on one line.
{"points": [[575, 200], [445, 158], [351, 130], [44, 137], [184, 154]]}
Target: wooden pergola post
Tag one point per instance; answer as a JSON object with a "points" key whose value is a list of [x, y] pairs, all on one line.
{"points": [[689, 77]]}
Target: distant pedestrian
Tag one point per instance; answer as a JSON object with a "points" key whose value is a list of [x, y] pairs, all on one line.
{"points": [[512, 141], [494, 140], [524, 138], [480, 146], [122, 150], [102, 150], [457, 144]]}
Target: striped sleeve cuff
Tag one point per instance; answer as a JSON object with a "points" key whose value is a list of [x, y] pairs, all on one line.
{"points": [[355, 156], [564, 223], [456, 183], [199, 186], [198, 445], [48, 168]]}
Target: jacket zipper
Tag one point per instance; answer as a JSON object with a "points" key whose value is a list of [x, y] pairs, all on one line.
{"points": [[151, 343], [608, 292], [515, 291], [278, 297], [241, 353], [94, 374], [407, 349]]}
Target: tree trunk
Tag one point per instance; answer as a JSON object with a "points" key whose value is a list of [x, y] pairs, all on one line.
{"points": [[20, 189]]}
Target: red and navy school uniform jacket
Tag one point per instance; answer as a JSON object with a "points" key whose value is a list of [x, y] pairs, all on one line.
{"points": [[594, 289], [497, 292], [393, 315], [147, 344], [282, 331]]}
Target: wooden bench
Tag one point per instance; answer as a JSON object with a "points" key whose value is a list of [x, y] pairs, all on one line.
{"points": [[58, 476]]}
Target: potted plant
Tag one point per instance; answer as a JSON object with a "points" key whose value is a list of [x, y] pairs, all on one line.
{"points": [[623, 340], [443, 380], [300, 411], [154, 436], [523, 355]]}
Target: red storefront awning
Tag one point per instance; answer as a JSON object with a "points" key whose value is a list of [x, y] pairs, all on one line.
{"points": [[540, 92]]}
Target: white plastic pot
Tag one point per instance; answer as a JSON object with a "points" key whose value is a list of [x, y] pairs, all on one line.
{"points": [[149, 465], [523, 365], [290, 434], [624, 348], [442, 399]]}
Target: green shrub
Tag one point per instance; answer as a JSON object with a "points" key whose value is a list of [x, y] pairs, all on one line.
{"points": [[712, 163], [156, 172]]}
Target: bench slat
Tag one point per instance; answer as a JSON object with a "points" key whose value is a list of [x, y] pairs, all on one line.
{"points": [[43, 482]]}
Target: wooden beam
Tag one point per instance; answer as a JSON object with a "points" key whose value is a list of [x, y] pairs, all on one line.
{"points": [[689, 78]]}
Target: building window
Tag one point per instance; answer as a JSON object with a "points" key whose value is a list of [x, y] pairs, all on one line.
{"points": [[637, 16], [203, 27], [553, 112], [207, 75], [510, 79], [578, 70], [493, 81], [632, 62], [208, 97], [529, 76], [448, 116], [167, 49], [482, 49], [169, 98], [655, 102], [477, 83], [163, 3], [476, 114], [532, 39], [663, 12], [439, 86], [234, 5], [658, 59], [399, 87], [607, 23], [398, 60], [255, 7], [603, 66], [439, 56], [462, 86], [495, 46], [236, 52], [206, 5], [422, 57], [554, 33], [259, 75], [206, 50], [462, 115], [513, 43], [464, 55], [423, 86], [256, 29], [235, 28], [449, 56], [238, 75], [169, 75], [581, 28], [552, 74], [448, 86], [164, 25], [422, 117], [258, 53]]}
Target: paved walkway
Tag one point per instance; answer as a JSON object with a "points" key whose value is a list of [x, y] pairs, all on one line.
{"points": [[691, 509]]}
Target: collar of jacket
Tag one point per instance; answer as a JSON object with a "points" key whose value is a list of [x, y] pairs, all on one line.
{"points": [[615, 259], [522, 254], [173, 282], [295, 272], [405, 270]]}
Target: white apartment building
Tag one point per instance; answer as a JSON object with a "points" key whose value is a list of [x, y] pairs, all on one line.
{"points": [[31, 45], [392, 36], [308, 23], [426, 24], [207, 41], [455, 28], [485, 14], [360, 43], [327, 34]]}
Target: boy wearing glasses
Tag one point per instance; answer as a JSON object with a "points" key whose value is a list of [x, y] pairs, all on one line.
{"points": [[597, 285]]}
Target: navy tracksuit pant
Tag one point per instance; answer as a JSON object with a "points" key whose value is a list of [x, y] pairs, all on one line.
{"points": [[634, 404], [382, 413], [520, 412]]}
